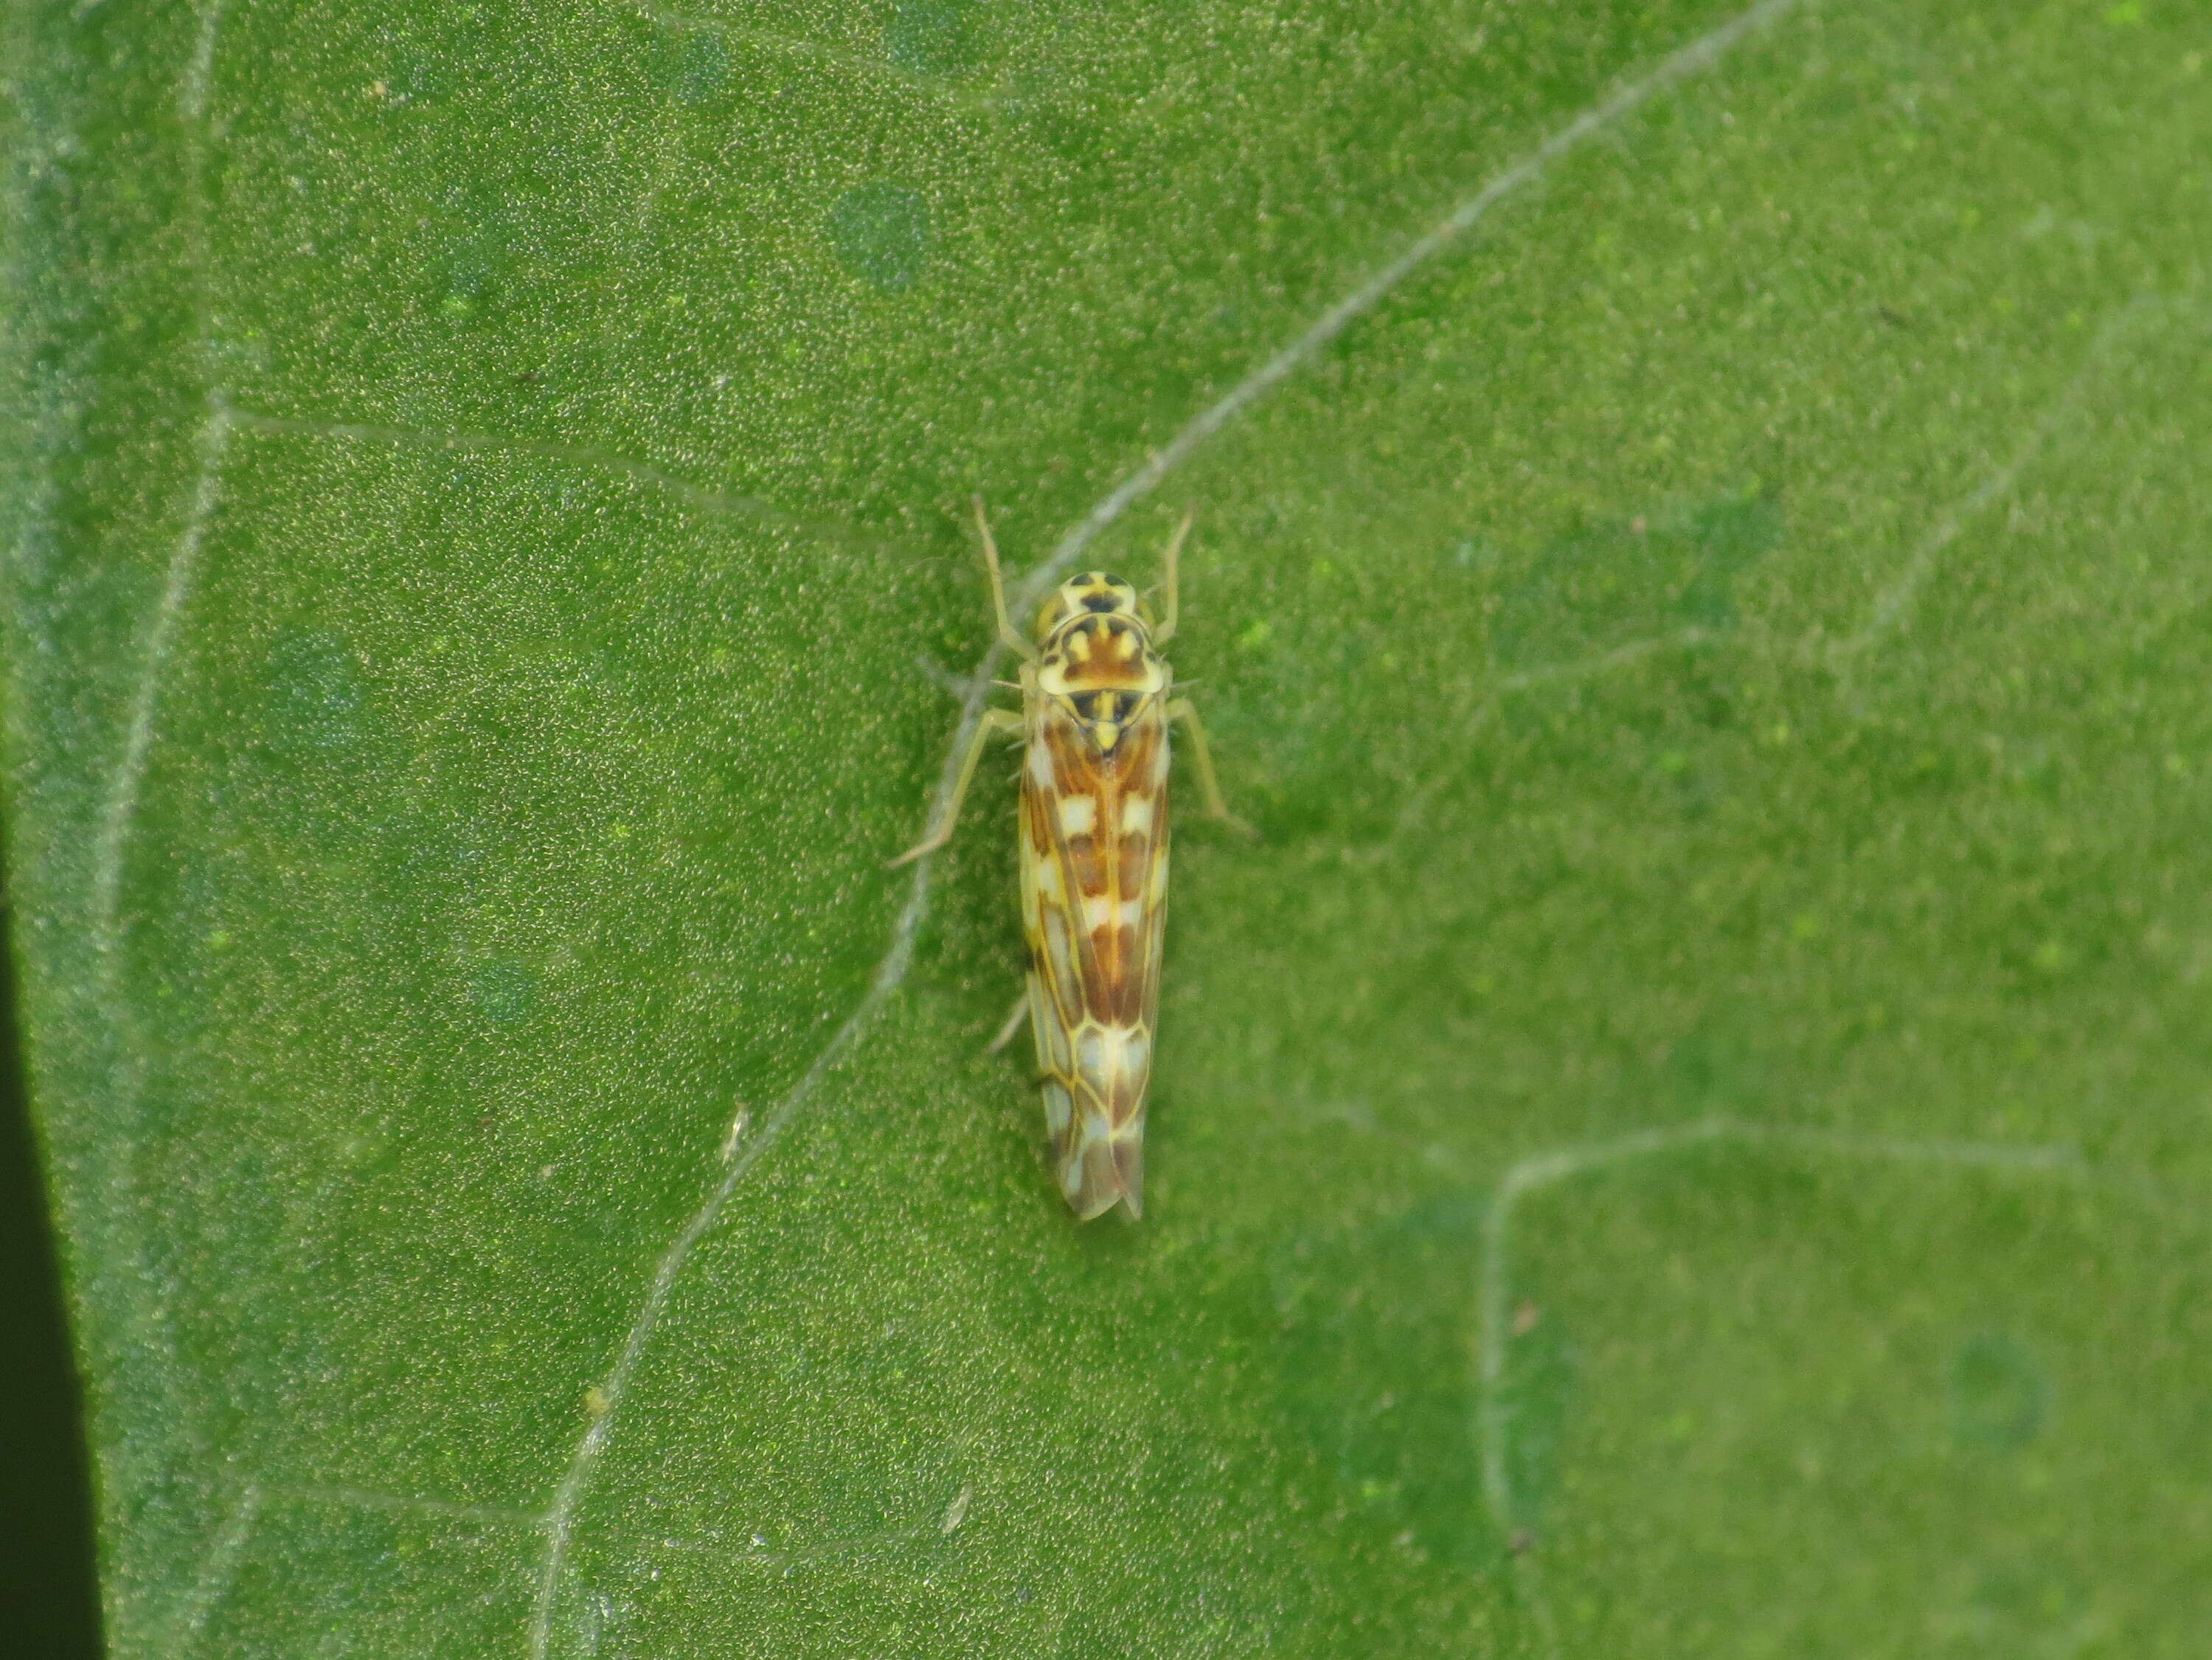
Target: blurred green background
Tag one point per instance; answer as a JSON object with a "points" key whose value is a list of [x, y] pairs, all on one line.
{"points": [[1685, 1135]]}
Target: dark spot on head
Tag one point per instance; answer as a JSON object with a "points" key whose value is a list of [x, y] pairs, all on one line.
{"points": [[1096, 706], [1106, 707], [1100, 601]]}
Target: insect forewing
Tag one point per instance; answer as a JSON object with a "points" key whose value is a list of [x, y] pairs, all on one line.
{"points": [[1094, 902]]}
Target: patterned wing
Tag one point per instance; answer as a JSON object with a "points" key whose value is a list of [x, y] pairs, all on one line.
{"points": [[1094, 903]]}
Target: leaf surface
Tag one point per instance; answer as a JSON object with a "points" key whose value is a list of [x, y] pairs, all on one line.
{"points": [[1683, 1137]]}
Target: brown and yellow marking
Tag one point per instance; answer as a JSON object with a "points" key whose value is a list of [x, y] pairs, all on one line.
{"points": [[1096, 709]]}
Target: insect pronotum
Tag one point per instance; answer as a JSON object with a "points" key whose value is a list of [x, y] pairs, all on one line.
{"points": [[1093, 728]]}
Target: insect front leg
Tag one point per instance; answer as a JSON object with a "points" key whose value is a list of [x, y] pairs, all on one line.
{"points": [[1184, 710], [1171, 601], [993, 720], [1009, 635]]}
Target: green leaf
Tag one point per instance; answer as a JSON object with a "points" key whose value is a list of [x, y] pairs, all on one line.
{"points": [[1684, 1136]]}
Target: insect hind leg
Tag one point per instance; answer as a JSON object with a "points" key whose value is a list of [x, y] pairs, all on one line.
{"points": [[1185, 714]]}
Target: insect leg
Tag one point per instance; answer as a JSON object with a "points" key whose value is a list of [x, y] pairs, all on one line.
{"points": [[1015, 1021], [1172, 560], [1011, 636], [993, 720], [1209, 786]]}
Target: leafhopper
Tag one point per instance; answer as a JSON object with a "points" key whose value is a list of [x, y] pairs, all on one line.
{"points": [[1097, 705]]}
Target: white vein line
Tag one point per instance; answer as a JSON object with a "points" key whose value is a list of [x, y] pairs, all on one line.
{"points": [[118, 812], [1892, 603], [195, 96], [1544, 1170], [1625, 99], [121, 807], [217, 1569], [1997, 484], [560, 1517], [1699, 56], [199, 71], [575, 1482]]}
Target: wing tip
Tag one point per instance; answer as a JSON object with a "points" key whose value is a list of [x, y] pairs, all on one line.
{"points": [[1103, 1171], [1129, 1168]]}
